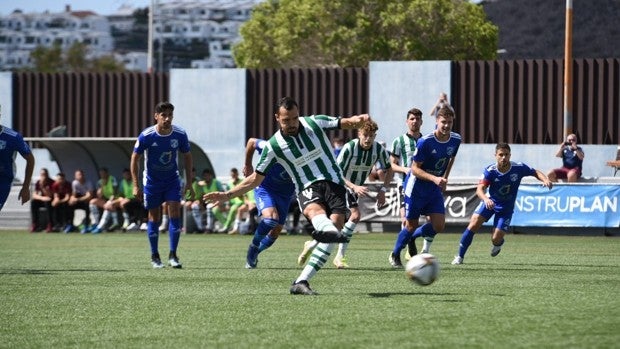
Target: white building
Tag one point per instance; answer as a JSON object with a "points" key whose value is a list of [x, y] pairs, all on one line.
{"points": [[20, 33]]}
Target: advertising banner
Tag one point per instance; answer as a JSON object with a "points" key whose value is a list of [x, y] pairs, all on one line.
{"points": [[582, 205]]}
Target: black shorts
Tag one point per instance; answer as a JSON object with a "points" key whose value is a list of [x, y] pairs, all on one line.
{"points": [[332, 196], [401, 195], [352, 199]]}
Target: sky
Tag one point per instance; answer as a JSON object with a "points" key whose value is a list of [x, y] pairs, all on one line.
{"points": [[101, 7]]}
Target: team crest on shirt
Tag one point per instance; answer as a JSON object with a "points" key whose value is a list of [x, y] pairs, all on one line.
{"points": [[174, 143], [450, 151], [514, 177], [2, 144]]}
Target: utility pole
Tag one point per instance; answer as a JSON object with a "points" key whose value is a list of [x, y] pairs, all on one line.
{"points": [[149, 57], [568, 71]]}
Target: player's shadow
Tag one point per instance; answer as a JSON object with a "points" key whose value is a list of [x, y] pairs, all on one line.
{"points": [[53, 271], [413, 293]]}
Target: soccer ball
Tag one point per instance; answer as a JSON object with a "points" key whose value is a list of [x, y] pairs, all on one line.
{"points": [[422, 269]]}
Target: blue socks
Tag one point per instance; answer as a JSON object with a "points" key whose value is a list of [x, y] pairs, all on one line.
{"points": [[425, 230], [265, 243], [403, 238], [263, 228], [174, 229], [466, 239], [152, 232]]}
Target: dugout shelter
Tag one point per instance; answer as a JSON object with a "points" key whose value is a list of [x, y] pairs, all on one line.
{"points": [[90, 154]]}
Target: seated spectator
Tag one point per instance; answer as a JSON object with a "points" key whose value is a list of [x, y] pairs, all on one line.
{"points": [[131, 207], [82, 193], [107, 191], [42, 196], [210, 184], [61, 190], [195, 205], [572, 161]]}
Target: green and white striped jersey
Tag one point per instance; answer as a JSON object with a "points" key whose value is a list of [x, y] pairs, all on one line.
{"points": [[308, 157], [403, 148], [357, 162]]}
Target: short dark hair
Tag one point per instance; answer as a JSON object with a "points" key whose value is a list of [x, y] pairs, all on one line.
{"points": [[287, 103], [445, 112], [502, 146], [163, 106], [415, 112]]}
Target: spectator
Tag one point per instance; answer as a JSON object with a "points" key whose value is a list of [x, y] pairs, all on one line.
{"points": [[442, 101], [210, 184], [130, 205], [107, 191], [61, 190], [572, 161], [196, 205], [81, 194], [42, 196]]}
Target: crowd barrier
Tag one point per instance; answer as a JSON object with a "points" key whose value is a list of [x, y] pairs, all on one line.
{"points": [[566, 205]]}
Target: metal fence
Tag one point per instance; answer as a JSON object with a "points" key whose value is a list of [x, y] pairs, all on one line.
{"points": [[518, 101]]}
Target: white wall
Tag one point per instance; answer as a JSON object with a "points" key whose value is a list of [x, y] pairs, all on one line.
{"points": [[6, 98], [210, 105], [396, 87]]}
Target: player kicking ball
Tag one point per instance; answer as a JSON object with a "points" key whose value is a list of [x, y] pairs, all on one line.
{"points": [[502, 181]]}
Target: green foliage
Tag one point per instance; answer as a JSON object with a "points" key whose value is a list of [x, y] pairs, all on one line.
{"points": [[350, 33], [53, 60], [99, 291]]}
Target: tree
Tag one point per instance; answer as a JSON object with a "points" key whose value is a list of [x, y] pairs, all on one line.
{"points": [[53, 60], [350, 33]]}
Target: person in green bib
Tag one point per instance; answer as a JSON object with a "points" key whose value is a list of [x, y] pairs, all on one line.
{"points": [[107, 191], [129, 204]]}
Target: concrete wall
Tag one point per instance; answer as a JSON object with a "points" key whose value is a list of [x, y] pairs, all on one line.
{"points": [[210, 105], [396, 87], [6, 98]]}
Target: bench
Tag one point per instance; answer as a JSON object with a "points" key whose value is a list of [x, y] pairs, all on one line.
{"points": [[615, 164]]}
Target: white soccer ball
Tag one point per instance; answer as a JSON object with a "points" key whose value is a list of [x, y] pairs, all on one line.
{"points": [[423, 269]]}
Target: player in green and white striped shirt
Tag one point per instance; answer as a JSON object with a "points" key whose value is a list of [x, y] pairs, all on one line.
{"points": [[356, 160], [401, 156], [304, 150]]}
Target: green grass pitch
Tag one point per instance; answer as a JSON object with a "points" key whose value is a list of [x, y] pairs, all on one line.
{"points": [[99, 291]]}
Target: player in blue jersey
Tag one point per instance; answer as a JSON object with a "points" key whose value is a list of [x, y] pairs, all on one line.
{"points": [[424, 185], [502, 180], [273, 197], [161, 181], [10, 142]]}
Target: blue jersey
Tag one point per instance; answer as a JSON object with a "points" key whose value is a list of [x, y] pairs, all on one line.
{"points": [[570, 158], [434, 156], [277, 180], [10, 142], [503, 186], [160, 154]]}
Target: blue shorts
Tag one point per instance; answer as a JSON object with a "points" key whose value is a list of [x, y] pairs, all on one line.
{"points": [[5, 189], [154, 196], [265, 199], [502, 216], [417, 204]]}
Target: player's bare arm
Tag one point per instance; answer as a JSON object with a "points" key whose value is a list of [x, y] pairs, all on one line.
{"points": [[249, 183]]}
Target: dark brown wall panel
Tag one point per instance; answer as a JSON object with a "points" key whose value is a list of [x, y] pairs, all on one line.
{"points": [[331, 91], [521, 101], [89, 104], [517, 101]]}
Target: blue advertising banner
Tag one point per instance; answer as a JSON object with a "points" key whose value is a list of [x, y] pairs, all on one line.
{"points": [[583, 205], [566, 205]]}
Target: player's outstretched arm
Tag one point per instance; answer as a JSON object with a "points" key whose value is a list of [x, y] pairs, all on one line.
{"points": [[24, 193], [543, 178], [249, 183], [355, 121]]}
